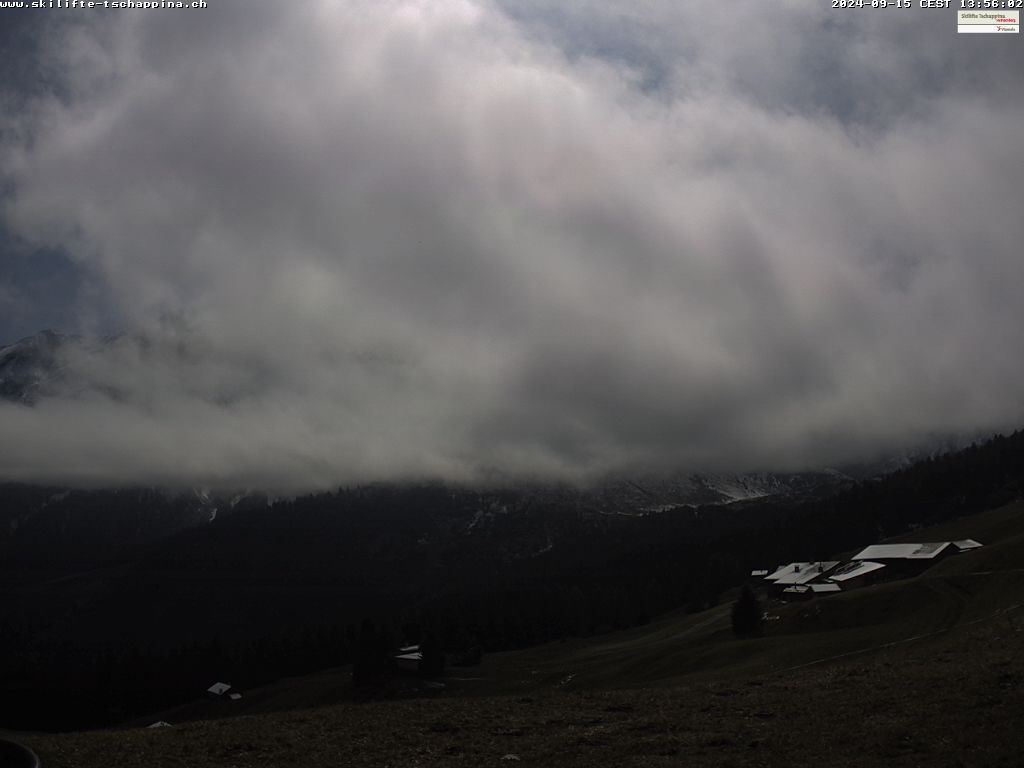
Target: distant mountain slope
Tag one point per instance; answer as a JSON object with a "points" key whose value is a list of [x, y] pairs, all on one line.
{"points": [[32, 367], [69, 529], [656, 493]]}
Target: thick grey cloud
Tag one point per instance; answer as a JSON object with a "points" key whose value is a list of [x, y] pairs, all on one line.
{"points": [[375, 240]]}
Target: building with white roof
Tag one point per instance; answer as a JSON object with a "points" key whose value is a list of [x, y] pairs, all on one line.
{"points": [[869, 565], [855, 569], [856, 573], [801, 573], [218, 689], [914, 558], [965, 544], [929, 551], [825, 589], [408, 658]]}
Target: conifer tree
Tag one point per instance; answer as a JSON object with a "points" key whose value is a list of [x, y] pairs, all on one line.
{"points": [[746, 614]]}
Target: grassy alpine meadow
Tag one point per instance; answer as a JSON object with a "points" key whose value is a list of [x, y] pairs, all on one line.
{"points": [[923, 671], [952, 701]]}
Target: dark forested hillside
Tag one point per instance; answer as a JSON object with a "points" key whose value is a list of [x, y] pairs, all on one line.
{"points": [[116, 603]]}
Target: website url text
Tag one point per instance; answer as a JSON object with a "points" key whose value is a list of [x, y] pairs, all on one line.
{"points": [[103, 4]]}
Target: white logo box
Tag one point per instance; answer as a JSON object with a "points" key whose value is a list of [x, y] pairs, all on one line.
{"points": [[986, 21]]}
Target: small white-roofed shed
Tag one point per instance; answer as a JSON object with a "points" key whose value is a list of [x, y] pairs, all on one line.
{"points": [[217, 690], [857, 573], [965, 544]]}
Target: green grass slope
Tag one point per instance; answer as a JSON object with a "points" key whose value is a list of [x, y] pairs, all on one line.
{"points": [[927, 670], [683, 648], [957, 704]]}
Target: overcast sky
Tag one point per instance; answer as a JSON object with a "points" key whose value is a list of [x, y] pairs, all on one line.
{"points": [[467, 240]]}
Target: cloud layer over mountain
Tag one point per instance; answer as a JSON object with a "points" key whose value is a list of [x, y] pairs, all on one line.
{"points": [[402, 239]]}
